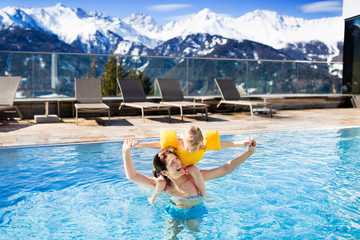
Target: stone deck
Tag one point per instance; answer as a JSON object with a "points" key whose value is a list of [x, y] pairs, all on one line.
{"points": [[27, 132]]}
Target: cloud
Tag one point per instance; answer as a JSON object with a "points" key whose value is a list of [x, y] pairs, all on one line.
{"points": [[323, 6], [168, 7]]}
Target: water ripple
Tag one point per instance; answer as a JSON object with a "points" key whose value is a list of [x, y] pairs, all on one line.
{"points": [[298, 185]]}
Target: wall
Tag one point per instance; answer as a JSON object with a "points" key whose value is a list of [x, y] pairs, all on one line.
{"points": [[351, 8]]}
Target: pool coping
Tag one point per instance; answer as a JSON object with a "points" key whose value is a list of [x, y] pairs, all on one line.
{"points": [[154, 138]]}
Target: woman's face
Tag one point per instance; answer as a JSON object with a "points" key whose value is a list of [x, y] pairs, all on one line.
{"points": [[173, 166]]}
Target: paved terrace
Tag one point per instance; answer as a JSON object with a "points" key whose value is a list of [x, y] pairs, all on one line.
{"points": [[27, 132]]}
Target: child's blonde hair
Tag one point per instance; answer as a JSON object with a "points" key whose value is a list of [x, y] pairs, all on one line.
{"points": [[193, 135]]}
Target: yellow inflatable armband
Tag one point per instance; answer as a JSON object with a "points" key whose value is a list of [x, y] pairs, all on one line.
{"points": [[168, 139], [212, 140]]}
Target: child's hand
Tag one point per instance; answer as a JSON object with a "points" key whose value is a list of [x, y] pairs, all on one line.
{"points": [[249, 142], [253, 142], [252, 145], [130, 144]]}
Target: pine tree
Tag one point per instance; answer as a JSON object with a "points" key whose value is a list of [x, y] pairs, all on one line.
{"points": [[93, 68], [109, 83]]}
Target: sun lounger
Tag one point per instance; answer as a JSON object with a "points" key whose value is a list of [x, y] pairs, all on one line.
{"points": [[172, 95], [230, 95], [8, 88], [88, 95], [134, 96], [356, 101]]}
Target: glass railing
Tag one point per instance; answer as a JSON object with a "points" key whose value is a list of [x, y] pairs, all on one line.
{"points": [[52, 74]]}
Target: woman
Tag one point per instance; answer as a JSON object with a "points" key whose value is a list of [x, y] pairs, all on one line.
{"points": [[179, 186]]}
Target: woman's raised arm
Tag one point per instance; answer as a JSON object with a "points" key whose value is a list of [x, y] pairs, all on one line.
{"points": [[229, 166], [130, 171]]}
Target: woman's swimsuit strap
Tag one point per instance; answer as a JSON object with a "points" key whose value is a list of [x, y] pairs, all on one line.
{"points": [[192, 183], [187, 179]]}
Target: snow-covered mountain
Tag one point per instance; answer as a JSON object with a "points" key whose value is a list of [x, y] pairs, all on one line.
{"points": [[71, 25], [262, 26], [139, 34]]}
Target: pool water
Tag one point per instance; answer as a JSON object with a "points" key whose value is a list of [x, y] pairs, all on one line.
{"points": [[298, 185]]}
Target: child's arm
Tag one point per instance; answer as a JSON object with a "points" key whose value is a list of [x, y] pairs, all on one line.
{"points": [[199, 182], [228, 144], [159, 187], [168, 140], [155, 145]]}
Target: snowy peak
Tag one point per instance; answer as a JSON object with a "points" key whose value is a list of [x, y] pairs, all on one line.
{"points": [[264, 14], [267, 19], [15, 17], [58, 11], [279, 30], [71, 24], [143, 23], [204, 21], [205, 15], [94, 31], [141, 20]]}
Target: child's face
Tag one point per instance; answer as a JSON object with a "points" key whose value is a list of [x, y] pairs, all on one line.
{"points": [[191, 148]]}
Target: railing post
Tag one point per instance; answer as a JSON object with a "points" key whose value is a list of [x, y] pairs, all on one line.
{"points": [[187, 77], [246, 77], [297, 77], [33, 74], [117, 74], [54, 71]]}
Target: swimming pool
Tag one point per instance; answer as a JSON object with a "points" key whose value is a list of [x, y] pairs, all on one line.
{"points": [[298, 185]]}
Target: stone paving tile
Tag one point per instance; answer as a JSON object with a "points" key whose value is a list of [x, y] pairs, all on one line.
{"points": [[27, 132]]}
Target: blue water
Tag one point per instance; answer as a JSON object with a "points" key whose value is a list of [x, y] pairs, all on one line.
{"points": [[298, 185]]}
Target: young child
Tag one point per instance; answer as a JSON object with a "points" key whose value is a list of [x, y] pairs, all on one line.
{"points": [[190, 149]]}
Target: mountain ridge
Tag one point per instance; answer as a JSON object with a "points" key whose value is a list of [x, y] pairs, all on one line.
{"points": [[139, 34]]}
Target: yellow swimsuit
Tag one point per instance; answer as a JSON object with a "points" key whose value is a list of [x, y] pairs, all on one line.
{"points": [[168, 139]]}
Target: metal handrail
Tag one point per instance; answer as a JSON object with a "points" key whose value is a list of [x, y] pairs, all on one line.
{"points": [[201, 58]]}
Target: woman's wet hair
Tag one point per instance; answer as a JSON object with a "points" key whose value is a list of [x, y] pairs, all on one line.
{"points": [[159, 162]]}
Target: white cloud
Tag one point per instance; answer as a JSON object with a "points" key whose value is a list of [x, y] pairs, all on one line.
{"points": [[168, 7], [323, 6]]}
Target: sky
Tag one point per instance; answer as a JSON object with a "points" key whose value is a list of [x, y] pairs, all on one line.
{"points": [[164, 11]]}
